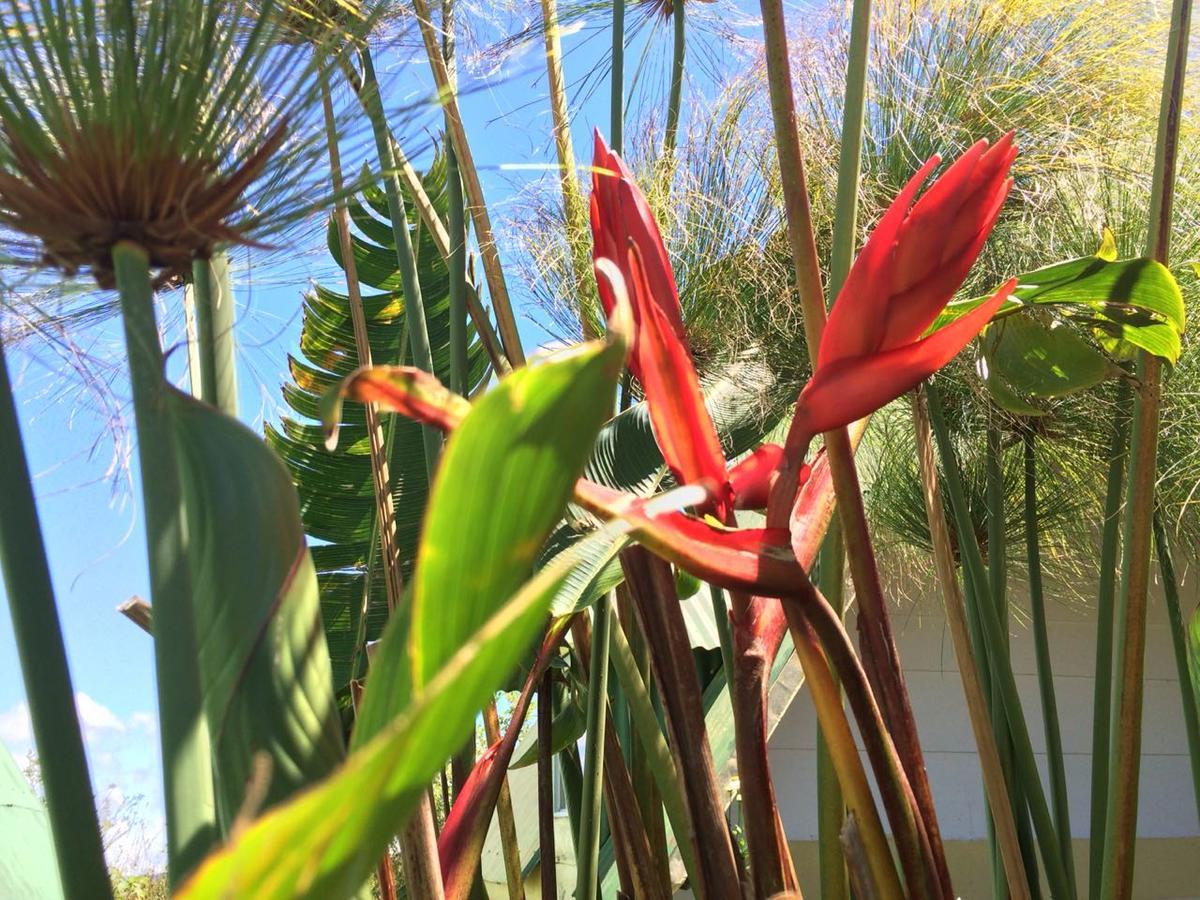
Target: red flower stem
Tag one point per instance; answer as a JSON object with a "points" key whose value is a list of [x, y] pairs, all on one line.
{"points": [[912, 841], [874, 627], [546, 785], [771, 868], [652, 586]]}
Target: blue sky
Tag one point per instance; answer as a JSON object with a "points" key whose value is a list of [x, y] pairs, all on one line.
{"points": [[91, 516]]}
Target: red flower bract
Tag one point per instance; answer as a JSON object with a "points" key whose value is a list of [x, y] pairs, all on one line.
{"points": [[916, 258]]}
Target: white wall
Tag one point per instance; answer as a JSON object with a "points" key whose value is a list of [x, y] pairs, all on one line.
{"points": [[1167, 807]]}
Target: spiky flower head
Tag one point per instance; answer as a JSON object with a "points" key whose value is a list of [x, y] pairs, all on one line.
{"points": [[178, 126]]}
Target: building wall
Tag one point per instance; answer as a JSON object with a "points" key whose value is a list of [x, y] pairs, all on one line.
{"points": [[1169, 861]]}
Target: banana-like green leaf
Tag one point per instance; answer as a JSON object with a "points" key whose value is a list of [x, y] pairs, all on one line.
{"points": [[503, 482], [263, 660], [337, 497], [1027, 359], [1134, 302]]}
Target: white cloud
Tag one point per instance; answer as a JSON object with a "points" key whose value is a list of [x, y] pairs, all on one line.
{"points": [[96, 716], [16, 728]]}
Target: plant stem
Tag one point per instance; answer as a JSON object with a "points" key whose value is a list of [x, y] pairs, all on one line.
{"points": [[653, 588], [833, 552], [646, 727], [470, 175], [504, 814], [1041, 638], [456, 260], [616, 102], [1178, 628], [574, 208], [212, 292], [46, 675], [1001, 674], [183, 729], [588, 851], [1125, 765], [971, 672], [385, 513], [414, 305], [879, 647], [545, 722], [827, 699], [771, 869], [678, 54], [1105, 601]]}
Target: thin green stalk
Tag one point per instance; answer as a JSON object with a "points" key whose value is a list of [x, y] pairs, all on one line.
{"points": [[616, 103], [678, 55], [1001, 674], [1120, 825], [545, 776], [1105, 601], [186, 752], [1178, 628], [46, 675], [212, 291], [572, 776], [720, 608], [588, 848], [997, 564], [831, 806], [1037, 611], [456, 226], [832, 565], [414, 305], [654, 745]]}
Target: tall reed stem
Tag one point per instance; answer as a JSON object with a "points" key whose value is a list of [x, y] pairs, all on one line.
{"points": [[385, 515], [616, 99], [827, 699], [504, 814], [970, 671], [183, 729], [653, 588], [574, 208], [484, 233], [588, 850], [212, 292], [549, 874], [879, 648], [992, 638], [1125, 765], [46, 675], [678, 58], [414, 304], [1177, 625], [1041, 638], [833, 552], [1105, 601]]}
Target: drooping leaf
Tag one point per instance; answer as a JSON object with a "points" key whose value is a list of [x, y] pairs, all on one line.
{"points": [[1025, 358], [326, 842], [263, 659]]}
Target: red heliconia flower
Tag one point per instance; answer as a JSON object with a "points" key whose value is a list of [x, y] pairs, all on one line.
{"points": [[872, 349]]}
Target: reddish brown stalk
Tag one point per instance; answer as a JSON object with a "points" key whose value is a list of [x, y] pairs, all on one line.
{"points": [[756, 638], [874, 626], [387, 878], [652, 586], [635, 863], [912, 841]]}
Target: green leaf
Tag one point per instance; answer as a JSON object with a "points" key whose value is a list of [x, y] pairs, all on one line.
{"points": [[1194, 652], [532, 432], [263, 661], [1134, 300], [1032, 359], [28, 864], [514, 461]]}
